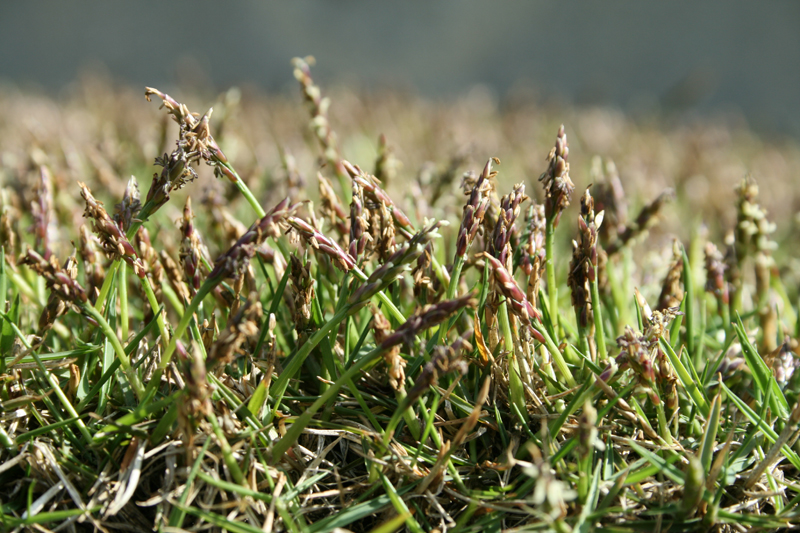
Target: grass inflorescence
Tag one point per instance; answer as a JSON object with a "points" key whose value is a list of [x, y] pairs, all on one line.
{"points": [[237, 350]]}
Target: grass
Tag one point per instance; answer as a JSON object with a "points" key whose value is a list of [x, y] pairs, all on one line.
{"points": [[257, 347]]}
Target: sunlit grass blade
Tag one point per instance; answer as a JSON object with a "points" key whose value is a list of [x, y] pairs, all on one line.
{"points": [[762, 375], [689, 384], [688, 309], [710, 436], [756, 420]]}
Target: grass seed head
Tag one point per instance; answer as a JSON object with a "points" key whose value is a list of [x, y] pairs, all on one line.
{"points": [[395, 363], [42, 212], [192, 250], [499, 243], [647, 217], [505, 285], [752, 226], [533, 251], [319, 242], [426, 318], [242, 326], [715, 273], [583, 267], [195, 405], [56, 306], [382, 230], [234, 262], [672, 286], [422, 274], [373, 191], [93, 267], [112, 238], [475, 209], [359, 222], [8, 236], [318, 107], [331, 206], [445, 359], [125, 212], [303, 291], [395, 265], [58, 279], [609, 197], [558, 185], [386, 164], [175, 276]]}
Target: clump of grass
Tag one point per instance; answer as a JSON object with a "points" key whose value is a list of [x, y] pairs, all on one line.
{"points": [[276, 362]]}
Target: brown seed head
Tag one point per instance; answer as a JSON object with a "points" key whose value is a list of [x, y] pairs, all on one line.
{"points": [[303, 287], [8, 237], [95, 273], [422, 272], [330, 206], [646, 218], [343, 260], [382, 232], [242, 325], [504, 283], [672, 287], [533, 251], [499, 245], [192, 250], [395, 265], [194, 143], [58, 279], [609, 197], [233, 262], [359, 221], [374, 192], [175, 276], [56, 306], [318, 107], [582, 268], [445, 359], [715, 273], [426, 318], [196, 404], [112, 238], [42, 211], [475, 209], [382, 330], [386, 163], [558, 186], [125, 212]]}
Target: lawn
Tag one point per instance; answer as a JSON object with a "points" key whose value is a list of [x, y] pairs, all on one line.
{"points": [[374, 312]]}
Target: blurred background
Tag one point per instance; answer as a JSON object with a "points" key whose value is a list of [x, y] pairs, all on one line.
{"points": [[718, 56], [691, 96]]}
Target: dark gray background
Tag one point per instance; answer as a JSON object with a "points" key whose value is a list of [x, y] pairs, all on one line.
{"points": [[696, 56]]}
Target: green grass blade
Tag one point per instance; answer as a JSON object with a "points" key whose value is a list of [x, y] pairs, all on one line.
{"points": [[400, 505], [660, 463], [177, 515], [710, 436], [768, 432], [7, 333], [689, 384], [349, 515], [688, 287], [762, 375], [582, 525], [391, 525]]}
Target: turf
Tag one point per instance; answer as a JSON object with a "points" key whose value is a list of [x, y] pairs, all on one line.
{"points": [[301, 325]]}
